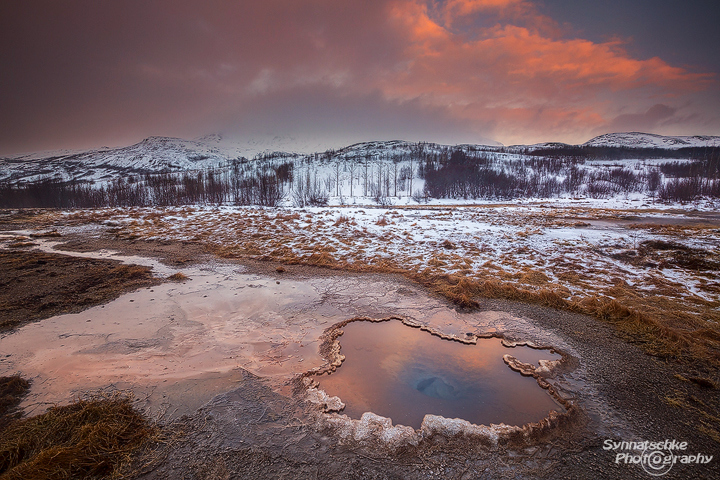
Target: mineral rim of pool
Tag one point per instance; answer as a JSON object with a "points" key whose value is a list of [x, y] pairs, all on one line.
{"points": [[404, 373]]}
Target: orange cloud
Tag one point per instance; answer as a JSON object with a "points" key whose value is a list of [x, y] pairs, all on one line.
{"points": [[523, 75], [96, 71]]}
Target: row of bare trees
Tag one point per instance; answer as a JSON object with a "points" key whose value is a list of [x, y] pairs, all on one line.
{"points": [[447, 173], [264, 187], [464, 174]]}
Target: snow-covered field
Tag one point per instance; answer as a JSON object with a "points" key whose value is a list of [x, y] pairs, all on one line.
{"points": [[508, 239]]}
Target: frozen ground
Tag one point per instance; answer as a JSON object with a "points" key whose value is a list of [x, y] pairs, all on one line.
{"points": [[576, 250]]}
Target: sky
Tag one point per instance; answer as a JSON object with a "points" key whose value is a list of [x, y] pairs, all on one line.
{"points": [[88, 73]]}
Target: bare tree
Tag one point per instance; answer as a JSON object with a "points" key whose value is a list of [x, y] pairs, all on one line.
{"points": [[337, 178], [365, 176], [654, 180], [410, 188], [352, 177], [395, 174]]}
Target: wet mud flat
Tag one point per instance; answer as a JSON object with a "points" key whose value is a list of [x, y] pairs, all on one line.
{"points": [[36, 285], [243, 358]]}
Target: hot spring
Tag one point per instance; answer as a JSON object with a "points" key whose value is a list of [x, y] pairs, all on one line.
{"points": [[404, 373]]}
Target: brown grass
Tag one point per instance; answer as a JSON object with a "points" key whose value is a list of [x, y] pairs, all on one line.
{"points": [[22, 244], [321, 259], [90, 438], [12, 389], [50, 234], [340, 220], [654, 253], [291, 216], [708, 421], [178, 277], [636, 321]]}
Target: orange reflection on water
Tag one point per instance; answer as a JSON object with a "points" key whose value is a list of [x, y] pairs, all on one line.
{"points": [[404, 373]]}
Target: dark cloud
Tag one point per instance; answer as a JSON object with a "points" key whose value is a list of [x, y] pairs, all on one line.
{"points": [[644, 122], [682, 33], [322, 112], [80, 73]]}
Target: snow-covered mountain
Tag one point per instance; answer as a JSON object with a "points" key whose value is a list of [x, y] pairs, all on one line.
{"points": [[164, 154], [650, 140], [152, 155], [250, 147]]}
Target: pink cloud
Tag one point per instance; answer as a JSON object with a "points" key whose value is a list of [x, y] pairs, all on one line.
{"points": [[90, 71], [528, 80]]}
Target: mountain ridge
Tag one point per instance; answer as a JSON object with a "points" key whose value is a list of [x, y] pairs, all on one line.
{"points": [[157, 154]]}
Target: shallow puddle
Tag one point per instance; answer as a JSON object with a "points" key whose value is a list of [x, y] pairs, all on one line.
{"points": [[404, 373]]}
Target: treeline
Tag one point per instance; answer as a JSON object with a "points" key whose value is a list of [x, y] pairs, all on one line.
{"points": [[471, 177], [457, 173], [478, 176], [265, 186], [622, 153]]}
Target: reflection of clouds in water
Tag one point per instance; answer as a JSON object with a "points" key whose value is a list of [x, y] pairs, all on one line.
{"points": [[441, 375], [419, 356], [404, 373]]}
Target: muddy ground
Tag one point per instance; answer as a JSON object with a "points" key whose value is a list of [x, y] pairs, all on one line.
{"points": [[257, 431], [36, 285]]}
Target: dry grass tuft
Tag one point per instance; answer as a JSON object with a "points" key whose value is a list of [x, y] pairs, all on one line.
{"points": [[178, 277], [290, 216], [340, 220], [90, 438], [50, 234], [22, 244], [12, 390], [703, 382], [322, 259], [382, 221]]}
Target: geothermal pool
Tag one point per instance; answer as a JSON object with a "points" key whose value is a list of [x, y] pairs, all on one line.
{"points": [[404, 373]]}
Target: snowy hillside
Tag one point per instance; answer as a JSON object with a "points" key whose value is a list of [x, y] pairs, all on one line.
{"points": [[152, 155], [163, 154], [172, 171], [649, 140]]}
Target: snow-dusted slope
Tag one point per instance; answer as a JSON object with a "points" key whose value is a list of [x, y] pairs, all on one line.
{"points": [[263, 144], [650, 140], [161, 154], [154, 154]]}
